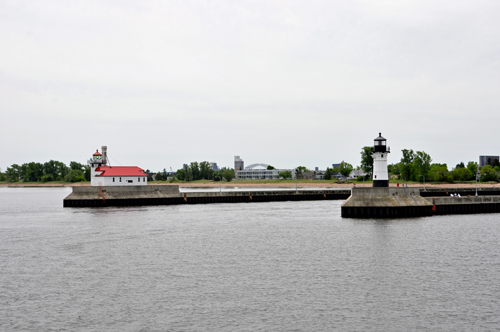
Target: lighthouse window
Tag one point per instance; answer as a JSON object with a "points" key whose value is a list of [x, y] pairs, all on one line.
{"points": [[383, 142], [382, 156], [138, 179], [120, 179], [113, 179], [375, 176], [143, 179]]}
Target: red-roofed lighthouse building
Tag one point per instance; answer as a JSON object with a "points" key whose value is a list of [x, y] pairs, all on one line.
{"points": [[103, 175]]}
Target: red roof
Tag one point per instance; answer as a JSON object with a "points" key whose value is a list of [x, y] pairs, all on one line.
{"points": [[120, 171], [97, 153]]}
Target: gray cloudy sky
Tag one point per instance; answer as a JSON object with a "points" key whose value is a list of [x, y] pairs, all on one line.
{"points": [[287, 83]]}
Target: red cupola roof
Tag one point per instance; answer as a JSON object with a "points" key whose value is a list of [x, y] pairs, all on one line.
{"points": [[97, 153]]}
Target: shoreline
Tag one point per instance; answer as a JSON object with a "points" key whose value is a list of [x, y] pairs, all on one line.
{"points": [[257, 185]]}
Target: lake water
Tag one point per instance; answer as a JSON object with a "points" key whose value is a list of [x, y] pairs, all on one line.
{"points": [[279, 266]]}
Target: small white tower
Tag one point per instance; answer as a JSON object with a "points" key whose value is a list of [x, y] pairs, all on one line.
{"points": [[95, 162], [380, 151]]}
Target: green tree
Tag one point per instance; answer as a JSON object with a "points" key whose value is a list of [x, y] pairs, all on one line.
{"points": [[488, 173], [86, 172], [367, 159], [343, 168], [31, 172], [285, 175], [269, 167], [13, 173], [47, 178], [328, 174], [61, 170], [195, 171], [438, 172], [346, 169], [181, 174], [73, 165], [50, 171], [227, 174], [206, 170], [159, 176], [299, 170], [405, 166], [76, 165], [393, 169], [473, 167], [461, 174], [218, 175], [74, 175], [421, 165]]}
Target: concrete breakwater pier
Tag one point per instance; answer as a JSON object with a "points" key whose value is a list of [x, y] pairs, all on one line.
{"points": [[415, 202], [170, 194], [464, 205], [380, 202], [404, 202]]}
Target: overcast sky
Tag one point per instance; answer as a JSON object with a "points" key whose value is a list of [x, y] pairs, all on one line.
{"points": [[286, 83]]}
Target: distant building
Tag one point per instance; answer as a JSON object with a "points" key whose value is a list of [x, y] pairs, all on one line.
{"points": [[262, 174], [239, 164], [309, 175], [338, 175], [215, 167], [255, 174], [355, 173], [251, 172], [483, 160]]}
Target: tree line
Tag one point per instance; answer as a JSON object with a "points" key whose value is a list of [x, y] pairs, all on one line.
{"points": [[50, 171], [417, 166], [200, 171], [413, 166]]}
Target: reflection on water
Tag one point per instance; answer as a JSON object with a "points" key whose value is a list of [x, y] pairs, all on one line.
{"points": [[275, 266]]}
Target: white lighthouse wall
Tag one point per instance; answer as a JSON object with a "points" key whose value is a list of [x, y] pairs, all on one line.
{"points": [[380, 166], [119, 181], [94, 176]]}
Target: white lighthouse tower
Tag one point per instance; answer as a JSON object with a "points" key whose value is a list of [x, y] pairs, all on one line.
{"points": [[95, 162], [380, 152]]}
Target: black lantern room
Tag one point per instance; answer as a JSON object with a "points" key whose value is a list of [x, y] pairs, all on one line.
{"points": [[380, 144]]}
